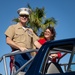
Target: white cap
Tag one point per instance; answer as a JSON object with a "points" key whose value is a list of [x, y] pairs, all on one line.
{"points": [[24, 11]]}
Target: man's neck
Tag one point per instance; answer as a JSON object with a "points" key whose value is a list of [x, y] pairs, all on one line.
{"points": [[22, 24]]}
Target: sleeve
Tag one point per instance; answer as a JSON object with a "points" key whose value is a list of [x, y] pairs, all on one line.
{"points": [[35, 37], [59, 54], [41, 41], [10, 32]]}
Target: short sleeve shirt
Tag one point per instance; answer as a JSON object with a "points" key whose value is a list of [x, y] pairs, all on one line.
{"points": [[21, 36]]}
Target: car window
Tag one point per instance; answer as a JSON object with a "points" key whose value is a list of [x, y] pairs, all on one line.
{"points": [[73, 65], [61, 64]]}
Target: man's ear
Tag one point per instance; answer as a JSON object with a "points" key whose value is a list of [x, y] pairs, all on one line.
{"points": [[19, 18]]}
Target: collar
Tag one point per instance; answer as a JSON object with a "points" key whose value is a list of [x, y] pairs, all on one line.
{"points": [[19, 25]]}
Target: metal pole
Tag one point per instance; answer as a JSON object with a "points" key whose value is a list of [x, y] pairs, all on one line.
{"points": [[24, 65], [5, 65], [70, 61]]}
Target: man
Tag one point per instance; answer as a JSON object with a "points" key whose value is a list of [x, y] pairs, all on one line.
{"points": [[19, 37]]}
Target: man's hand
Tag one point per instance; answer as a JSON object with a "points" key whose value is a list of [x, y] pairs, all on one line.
{"points": [[54, 56], [30, 30], [23, 49]]}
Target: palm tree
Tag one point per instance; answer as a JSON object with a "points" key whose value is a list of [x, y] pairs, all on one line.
{"points": [[38, 21]]}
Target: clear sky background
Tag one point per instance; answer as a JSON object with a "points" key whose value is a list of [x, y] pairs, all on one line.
{"points": [[62, 10]]}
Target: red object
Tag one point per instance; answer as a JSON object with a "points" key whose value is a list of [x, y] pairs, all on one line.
{"points": [[59, 55], [42, 41], [11, 62]]}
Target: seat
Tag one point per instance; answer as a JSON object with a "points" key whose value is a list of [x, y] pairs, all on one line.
{"points": [[14, 71], [21, 73], [54, 68]]}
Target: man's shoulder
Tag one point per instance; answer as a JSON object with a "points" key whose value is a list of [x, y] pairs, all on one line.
{"points": [[13, 25]]}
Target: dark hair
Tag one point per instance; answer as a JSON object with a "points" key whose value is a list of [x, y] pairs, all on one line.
{"points": [[52, 31]]}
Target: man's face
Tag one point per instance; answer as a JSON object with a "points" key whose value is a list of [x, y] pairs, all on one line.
{"points": [[23, 18]]}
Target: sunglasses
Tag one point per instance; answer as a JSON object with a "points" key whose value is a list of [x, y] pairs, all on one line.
{"points": [[26, 16]]}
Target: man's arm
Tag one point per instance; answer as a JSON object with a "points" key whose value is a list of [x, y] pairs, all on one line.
{"points": [[13, 44], [37, 44]]}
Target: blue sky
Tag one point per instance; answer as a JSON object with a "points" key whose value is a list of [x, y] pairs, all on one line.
{"points": [[62, 10]]}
